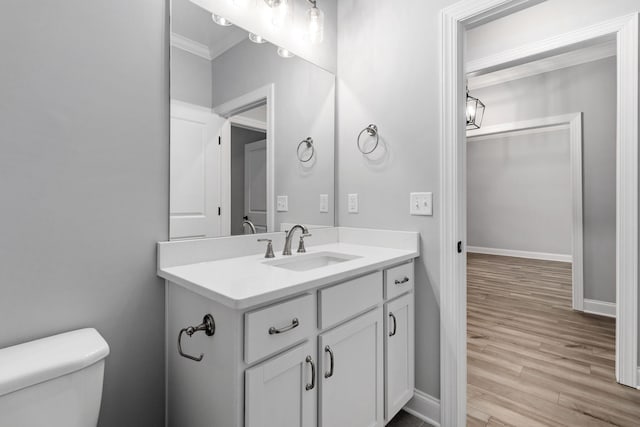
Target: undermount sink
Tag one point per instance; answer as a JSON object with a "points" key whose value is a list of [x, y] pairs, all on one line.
{"points": [[312, 261]]}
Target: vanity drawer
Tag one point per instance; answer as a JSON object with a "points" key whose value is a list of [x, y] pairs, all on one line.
{"points": [[398, 280], [339, 302], [278, 326]]}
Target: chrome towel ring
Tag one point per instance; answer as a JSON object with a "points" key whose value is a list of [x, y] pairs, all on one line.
{"points": [[308, 142], [371, 130]]}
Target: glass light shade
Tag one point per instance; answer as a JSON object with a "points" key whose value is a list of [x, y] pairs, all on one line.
{"points": [[242, 4], [220, 20], [315, 21], [279, 12], [474, 112], [285, 53], [256, 38], [273, 3]]}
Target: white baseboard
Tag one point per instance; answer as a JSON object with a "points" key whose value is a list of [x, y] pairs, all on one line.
{"points": [[425, 407], [520, 254], [638, 379], [601, 308]]}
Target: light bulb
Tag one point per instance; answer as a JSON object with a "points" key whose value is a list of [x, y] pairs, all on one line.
{"points": [[220, 20], [284, 53], [256, 38], [315, 21], [279, 13]]}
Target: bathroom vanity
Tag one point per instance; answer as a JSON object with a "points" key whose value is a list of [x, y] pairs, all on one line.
{"points": [[323, 338]]}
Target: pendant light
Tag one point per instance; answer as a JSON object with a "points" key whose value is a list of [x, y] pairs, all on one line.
{"points": [[474, 112], [315, 22]]}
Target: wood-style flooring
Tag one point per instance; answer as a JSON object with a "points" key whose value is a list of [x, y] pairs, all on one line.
{"points": [[532, 360]]}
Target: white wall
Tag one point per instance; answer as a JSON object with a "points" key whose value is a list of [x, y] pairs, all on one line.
{"points": [[519, 192], [591, 89], [304, 106], [84, 125], [190, 78]]}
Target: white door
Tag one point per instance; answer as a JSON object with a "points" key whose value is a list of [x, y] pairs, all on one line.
{"points": [[399, 360], [351, 373], [194, 183], [255, 184], [282, 391]]}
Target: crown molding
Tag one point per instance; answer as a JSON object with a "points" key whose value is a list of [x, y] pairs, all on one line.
{"points": [[191, 46]]}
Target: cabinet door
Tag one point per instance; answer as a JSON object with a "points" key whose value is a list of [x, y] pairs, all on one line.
{"points": [[282, 391], [399, 354], [351, 373]]}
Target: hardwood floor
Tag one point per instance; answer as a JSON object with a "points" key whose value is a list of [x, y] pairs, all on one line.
{"points": [[532, 360]]}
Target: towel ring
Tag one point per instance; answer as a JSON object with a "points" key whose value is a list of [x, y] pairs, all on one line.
{"points": [[309, 143], [371, 130]]}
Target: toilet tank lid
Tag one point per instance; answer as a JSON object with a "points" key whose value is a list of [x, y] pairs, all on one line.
{"points": [[41, 360]]}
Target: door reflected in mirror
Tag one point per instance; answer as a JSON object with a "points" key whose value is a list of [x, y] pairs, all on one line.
{"points": [[249, 127]]}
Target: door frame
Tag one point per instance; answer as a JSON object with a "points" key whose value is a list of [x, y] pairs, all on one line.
{"points": [[572, 122], [453, 22], [263, 95]]}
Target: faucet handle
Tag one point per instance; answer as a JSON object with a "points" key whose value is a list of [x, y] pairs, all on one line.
{"points": [[269, 253], [301, 248]]}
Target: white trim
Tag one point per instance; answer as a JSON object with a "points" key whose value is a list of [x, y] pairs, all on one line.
{"points": [[638, 379], [247, 123], [243, 103], [601, 308], [520, 254], [574, 123], [453, 302], [425, 407], [191, 46], [545, 65]]}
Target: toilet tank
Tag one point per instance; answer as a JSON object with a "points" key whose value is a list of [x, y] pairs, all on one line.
{"points": [[54, 381]]}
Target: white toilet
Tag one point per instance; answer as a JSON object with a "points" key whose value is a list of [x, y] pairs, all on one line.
{"points": [[54, 382]]}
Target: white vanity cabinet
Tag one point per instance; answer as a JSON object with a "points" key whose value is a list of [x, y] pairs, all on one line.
{"points": [[338, 355]]}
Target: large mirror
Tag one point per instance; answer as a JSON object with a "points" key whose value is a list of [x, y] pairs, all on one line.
{"points": [[252, 132]]}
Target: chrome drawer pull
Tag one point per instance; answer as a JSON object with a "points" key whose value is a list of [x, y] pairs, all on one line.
{"points": [[329, 374], [309, 360], [395, 324], [294, 324], [405, 279]]}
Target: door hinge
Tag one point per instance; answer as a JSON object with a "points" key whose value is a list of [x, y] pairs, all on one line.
{"points": [[460, 247], [219, 140], [219, 211]]}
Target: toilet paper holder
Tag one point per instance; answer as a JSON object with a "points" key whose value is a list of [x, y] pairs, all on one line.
{"points": [[208, 325]]}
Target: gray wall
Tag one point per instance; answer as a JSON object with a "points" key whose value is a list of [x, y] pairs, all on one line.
{"points": [[388, 75], [590, 88], [190, 78], [519, 192], [239, 137], [84, 181], [304, 106]]}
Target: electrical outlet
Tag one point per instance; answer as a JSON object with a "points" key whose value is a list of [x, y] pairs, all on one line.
{"points": [[421, 204], [353, 203], [324, 203], [282, 204]]}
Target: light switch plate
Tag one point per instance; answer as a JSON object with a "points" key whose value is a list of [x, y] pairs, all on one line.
{"points": [[421, 204], [324, 203], [282, 204], [353, 203]]}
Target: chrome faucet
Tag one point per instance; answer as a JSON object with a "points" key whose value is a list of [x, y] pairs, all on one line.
{"points": [[252, 227], [287, 241]]}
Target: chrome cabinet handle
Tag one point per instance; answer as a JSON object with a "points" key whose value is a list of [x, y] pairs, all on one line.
{"points": [[395, 324], [309, 360], [294, 324], [405, 279], [329, 374]]}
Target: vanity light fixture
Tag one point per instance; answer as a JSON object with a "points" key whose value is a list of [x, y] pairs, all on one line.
{"points": [[284, 53], [315, 22], [475, 112], [220, 20], [256, 38], [278, 10]]}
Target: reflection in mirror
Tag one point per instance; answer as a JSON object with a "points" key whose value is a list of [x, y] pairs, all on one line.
{"points": [[252, 132]]}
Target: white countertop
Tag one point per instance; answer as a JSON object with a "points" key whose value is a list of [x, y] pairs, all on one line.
{"points": [[247, 281]]}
